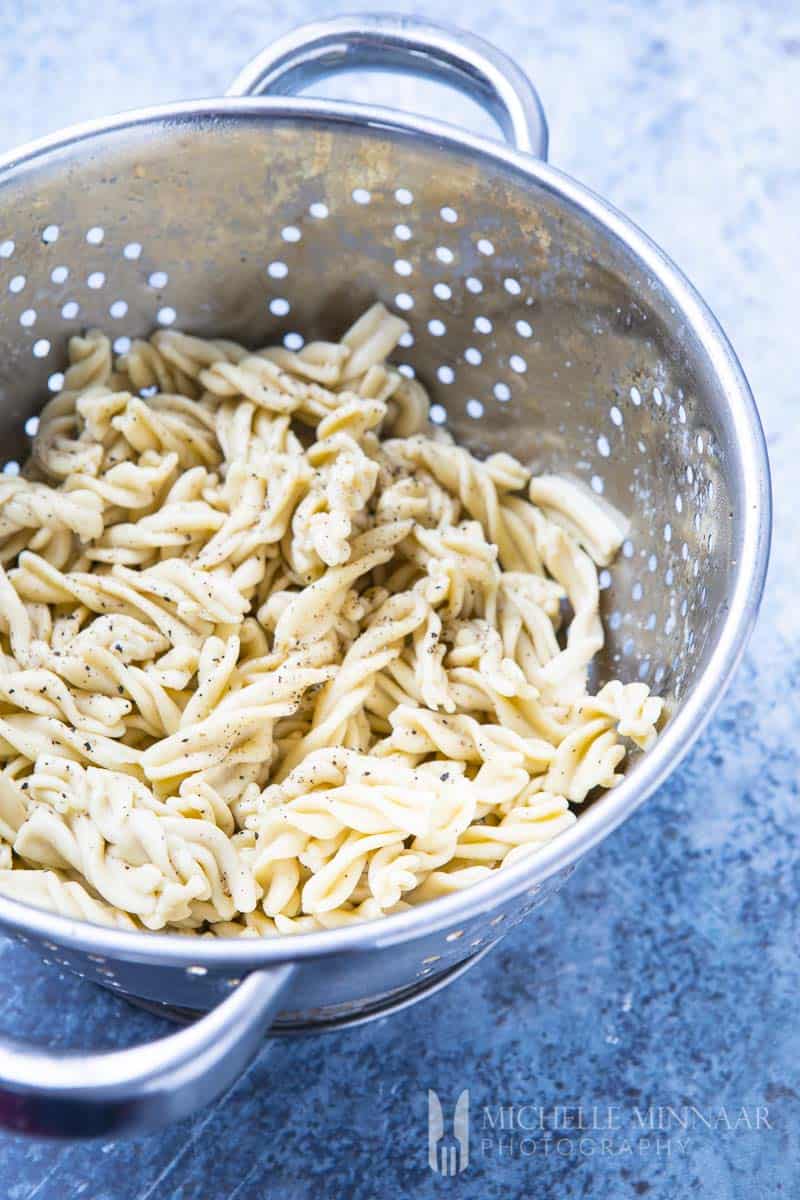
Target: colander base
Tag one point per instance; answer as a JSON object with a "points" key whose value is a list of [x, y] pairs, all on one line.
{"points": [[362, 1013]]}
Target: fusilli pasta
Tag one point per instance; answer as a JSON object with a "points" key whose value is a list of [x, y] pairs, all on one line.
{"points": [[276, 654]]}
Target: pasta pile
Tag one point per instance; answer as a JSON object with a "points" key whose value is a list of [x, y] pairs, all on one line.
{"points": [[276, 655]]}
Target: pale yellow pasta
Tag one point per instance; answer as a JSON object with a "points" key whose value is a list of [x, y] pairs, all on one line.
{"points": [[594, 524], [277, 655]]}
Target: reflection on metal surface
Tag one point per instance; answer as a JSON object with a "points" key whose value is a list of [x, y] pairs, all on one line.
{"points": [[338, 1016]]}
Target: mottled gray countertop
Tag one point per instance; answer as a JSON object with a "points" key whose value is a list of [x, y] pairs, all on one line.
{"points": [[666, 973]]}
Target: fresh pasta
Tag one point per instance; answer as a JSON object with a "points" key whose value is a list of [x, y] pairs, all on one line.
{"points": [[276, 654]]}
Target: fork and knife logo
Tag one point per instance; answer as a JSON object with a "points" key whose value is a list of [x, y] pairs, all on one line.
{"points": [[448, 1154]]}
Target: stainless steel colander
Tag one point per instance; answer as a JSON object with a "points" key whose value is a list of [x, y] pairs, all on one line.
{"points": [[542, 321]]}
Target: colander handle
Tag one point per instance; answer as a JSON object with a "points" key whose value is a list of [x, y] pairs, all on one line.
{"points": [[387, 42], [74, 1095]]}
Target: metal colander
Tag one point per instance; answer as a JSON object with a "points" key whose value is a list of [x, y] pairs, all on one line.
{"points": [[542, 322]]}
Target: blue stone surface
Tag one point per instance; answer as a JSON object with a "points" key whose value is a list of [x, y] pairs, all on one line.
{"points": [[666, 973]]}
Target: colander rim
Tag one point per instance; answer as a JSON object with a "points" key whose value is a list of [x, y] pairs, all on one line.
{"points": [[683, 729]]}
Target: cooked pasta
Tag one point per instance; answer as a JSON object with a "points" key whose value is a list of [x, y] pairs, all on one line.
{"points": [[276, 654]]}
